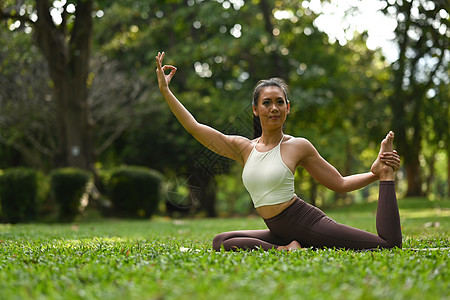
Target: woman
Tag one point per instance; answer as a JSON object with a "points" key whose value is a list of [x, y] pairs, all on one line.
{"points": [[269, 166]]}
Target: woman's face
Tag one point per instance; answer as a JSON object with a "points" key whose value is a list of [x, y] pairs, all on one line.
{"points": [[272, 107]]}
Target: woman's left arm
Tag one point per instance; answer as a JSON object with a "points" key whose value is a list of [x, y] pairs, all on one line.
{"points": [[327, 175]]}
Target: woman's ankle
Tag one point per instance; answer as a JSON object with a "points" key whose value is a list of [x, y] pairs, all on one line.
{"points": [[387, 175]]}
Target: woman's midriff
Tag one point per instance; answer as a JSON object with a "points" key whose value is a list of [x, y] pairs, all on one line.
{"points": [[270, 211]]}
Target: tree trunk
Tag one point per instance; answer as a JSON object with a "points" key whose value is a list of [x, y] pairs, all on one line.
{"points": [[448, 172], [75, 129], [313, 191], [409, 148], [431, 172], [413, 178], [209, 200], [67, 52]]}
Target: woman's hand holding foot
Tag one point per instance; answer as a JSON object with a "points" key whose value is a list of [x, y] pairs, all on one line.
{"points": [[387, 161]]}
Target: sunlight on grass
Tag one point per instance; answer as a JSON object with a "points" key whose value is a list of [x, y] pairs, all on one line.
{"points": [[425, 213]]}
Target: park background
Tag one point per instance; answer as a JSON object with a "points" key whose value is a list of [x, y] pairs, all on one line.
{"points": [[78, 89], [105, 196]]}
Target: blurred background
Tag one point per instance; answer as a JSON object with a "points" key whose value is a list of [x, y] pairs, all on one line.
{"points": [[85, 130]]}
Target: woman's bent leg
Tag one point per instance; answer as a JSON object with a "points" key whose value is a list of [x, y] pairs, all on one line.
{"points": [[247, 240], [312, 228]]}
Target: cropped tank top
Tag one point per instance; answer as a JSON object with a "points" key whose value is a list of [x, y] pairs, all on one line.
{"points": [[267, 178]]}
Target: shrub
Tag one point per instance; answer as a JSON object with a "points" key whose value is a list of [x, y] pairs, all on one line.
{"points": [[67, 186], [134, 191], [46, 208], [18, 189]]}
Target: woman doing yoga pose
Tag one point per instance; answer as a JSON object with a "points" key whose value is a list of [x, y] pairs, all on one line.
{"points": [[269, 163]]}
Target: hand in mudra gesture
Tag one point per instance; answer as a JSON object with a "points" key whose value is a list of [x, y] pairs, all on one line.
{"points": [[163, 79]]}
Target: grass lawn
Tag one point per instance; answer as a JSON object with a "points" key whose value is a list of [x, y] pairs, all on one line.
{"points": [[173, 259]]}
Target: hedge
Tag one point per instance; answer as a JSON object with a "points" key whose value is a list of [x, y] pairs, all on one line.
{"points": [[67, 187], [18, 189], [134, 191]]}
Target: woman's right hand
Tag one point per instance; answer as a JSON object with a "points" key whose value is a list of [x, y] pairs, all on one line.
{"points": [[163, 79]]}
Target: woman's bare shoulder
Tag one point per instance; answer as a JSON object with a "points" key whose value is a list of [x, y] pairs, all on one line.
{"points": [[299, 149], [297, 141]]}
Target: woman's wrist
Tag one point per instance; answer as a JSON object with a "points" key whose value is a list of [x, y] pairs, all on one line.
{"points": [[164, 88], [374, 175]]}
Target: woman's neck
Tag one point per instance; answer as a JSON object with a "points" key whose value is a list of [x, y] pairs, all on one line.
{"points": [[271, 138]]}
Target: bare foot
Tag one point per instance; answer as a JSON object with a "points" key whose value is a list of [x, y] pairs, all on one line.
{"points": [[379, 168], [294, 245]]}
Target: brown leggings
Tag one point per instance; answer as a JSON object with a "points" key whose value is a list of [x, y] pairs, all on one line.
{"points": [[309, 226]]}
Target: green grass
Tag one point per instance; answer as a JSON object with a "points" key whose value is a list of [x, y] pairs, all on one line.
{"points": [[173, 259]]}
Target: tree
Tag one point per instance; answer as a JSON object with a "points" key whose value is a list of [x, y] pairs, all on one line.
{"points": [[422, 65], [62, 32], [29, 115], [26, 111]]}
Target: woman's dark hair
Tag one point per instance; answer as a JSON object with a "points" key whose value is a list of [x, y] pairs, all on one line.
{"points": [[257, 131]]}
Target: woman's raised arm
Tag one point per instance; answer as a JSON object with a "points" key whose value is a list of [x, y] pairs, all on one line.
{"points": [[225, 145]]}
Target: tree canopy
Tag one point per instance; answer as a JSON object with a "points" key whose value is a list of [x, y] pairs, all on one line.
{"points": [[89, 67]]}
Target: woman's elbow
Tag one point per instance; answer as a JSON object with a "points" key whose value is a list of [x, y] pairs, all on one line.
{"points": [[341, 190]]}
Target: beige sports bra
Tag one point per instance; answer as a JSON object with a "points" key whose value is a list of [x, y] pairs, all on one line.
{"points": [[267, 178]]}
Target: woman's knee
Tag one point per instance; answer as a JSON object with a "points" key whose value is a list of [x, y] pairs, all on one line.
{"points": [[392, 245], [396, 241], [218, 241]]}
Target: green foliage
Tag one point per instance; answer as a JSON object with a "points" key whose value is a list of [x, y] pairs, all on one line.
{"points": [[339, 93], [232, 198], [419, 84], [217, 71], [18, 191], [134, 191], [173, 259], [27, 111], [67, 188]]}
